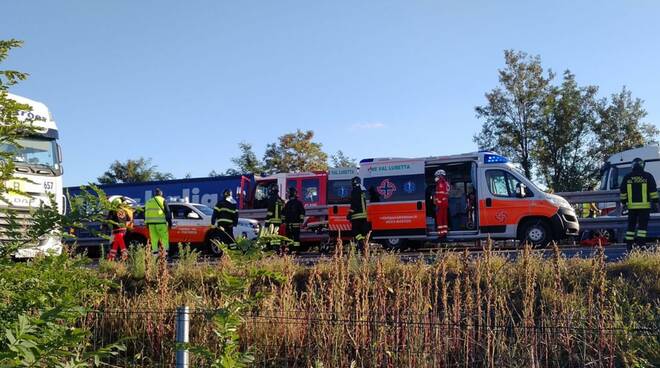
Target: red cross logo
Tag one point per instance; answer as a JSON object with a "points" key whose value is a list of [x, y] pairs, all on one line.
{"points": [[386, 188]]}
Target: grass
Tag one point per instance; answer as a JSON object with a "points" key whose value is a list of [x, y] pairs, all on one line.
{"points": [[373, 311]]}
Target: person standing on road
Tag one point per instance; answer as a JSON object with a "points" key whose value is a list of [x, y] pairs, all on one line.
{"points": [[294, 215], [357, 214], [274, 213], [158, 218], [225, 217], [120, 219], [639, 194], [441, 200]]}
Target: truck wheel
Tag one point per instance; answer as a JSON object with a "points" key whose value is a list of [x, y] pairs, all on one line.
{"points": [[394, 244], [212, 244], [536, 232]]}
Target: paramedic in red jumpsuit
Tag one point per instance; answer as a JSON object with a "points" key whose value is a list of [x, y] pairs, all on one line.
{"points": [[441, 202]]}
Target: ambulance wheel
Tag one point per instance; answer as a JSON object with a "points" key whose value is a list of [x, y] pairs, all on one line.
{"points": [[536, 232], [212, 241], [394, 244]]}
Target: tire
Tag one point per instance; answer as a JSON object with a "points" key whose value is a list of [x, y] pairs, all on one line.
{"points": [[536, 232], [211, 243], [136, 241], [394, 244]]}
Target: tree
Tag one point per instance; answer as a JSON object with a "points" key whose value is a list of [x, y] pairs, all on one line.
{"points": [[133, 171], [295, 152], [247, 161], [339, 159], [620, 125], [514, 109], [564, 137], [12, 128]]}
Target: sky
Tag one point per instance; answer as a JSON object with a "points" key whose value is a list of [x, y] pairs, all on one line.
{"points": [[183, 82]]}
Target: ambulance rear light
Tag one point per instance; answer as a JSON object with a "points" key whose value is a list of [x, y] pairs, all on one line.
{"points": [[495, 159]]}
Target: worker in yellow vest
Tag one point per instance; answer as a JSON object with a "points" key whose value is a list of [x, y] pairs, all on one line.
{"points": [[158, 218]]}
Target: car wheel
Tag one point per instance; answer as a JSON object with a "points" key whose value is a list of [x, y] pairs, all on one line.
{"points": [[394, 244], [212, 243], [537, 233], [136, 241]]}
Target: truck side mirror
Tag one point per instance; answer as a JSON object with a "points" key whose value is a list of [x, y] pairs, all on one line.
{"points": [[193, 215], [521, 190]]}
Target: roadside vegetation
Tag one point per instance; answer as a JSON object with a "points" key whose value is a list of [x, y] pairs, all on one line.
{"points": [[369, 310]]}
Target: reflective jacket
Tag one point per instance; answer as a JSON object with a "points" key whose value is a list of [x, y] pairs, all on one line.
{"points": [[274, 212], [358, 205], [638, 190], [156, 211], [225, 213], [294, 211]]}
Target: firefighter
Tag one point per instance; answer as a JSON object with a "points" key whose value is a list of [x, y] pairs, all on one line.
{"points": [[120, 219], [274, 213], [639, 194], [357, 214], [294, 215], [225, 217], [441, 200], [158, 218]]}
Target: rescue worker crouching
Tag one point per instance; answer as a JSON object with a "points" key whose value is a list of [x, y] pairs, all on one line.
{"points": [[158, 218], [357, 213], [639, 194], [225, 217], [274, 215], [294, 215]]}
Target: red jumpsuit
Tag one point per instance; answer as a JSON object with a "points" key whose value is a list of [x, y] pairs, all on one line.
{"points": [[441, 205], [119, 220]]}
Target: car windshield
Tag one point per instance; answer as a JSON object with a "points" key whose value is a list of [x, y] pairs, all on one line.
{"points": [[208, 211], [33, 152]]}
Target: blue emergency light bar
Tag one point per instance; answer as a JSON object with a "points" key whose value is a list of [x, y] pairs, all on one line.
{"points": [[495, 159]]}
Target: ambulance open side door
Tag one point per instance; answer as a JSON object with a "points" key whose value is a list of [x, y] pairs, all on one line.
{"points": [[395, 190]]}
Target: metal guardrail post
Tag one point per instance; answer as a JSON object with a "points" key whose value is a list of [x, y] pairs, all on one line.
{"points": [[182, 332]]}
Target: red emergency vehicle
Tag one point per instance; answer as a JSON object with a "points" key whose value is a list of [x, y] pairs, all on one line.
{"points": [[488, 197], [339, 198], [311, 187]]}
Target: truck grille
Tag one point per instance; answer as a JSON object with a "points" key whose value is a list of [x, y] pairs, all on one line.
{"points": [[14, 225]]}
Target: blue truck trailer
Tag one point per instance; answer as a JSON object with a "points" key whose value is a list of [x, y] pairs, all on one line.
{"points": [[205, 191]]}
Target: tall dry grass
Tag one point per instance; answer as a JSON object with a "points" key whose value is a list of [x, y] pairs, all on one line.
{"points": [[371, 310]]}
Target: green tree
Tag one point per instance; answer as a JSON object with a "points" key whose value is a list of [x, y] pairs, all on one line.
{"points": [[514, 109], [295, 152], [12, 128], [340, 159], [564, 137], [620, 125], [247, 162], [133, 171]]}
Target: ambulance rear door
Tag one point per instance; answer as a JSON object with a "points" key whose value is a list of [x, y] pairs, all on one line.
{"points": [[339, 198], [396, 195]]}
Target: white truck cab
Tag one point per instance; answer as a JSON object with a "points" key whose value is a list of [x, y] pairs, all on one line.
{"points": [[38, 161]]}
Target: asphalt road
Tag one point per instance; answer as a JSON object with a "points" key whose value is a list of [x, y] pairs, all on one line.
{"points": [[613, 253]]}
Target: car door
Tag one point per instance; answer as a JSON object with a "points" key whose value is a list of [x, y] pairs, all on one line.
{"points": [[501, 204], [187, 225]]}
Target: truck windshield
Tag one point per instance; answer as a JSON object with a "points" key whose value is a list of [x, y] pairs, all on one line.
{"points": [[612, 180], [34, 152]]}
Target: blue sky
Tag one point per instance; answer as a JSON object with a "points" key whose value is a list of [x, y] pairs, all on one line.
{"points": [[183, 82]]}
